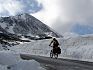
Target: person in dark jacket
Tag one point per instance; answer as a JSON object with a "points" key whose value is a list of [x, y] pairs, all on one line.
{"points": [[55, 45]]}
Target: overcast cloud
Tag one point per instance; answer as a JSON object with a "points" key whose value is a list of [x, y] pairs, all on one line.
{"points": [[10, 7], [13, 7], [61, 15]]}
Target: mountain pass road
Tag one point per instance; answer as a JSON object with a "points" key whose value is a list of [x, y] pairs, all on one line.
{"points": [[59, 64]]}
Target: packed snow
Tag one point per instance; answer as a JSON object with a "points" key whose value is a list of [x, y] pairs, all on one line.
{"points": [[8, 58], [11, 61], [26, 65]]}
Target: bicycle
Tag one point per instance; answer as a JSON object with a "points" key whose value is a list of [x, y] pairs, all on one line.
{"points": [[53, 54]]}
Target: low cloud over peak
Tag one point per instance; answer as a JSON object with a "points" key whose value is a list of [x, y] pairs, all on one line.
{"points": [[62, 15], [13, 7]]}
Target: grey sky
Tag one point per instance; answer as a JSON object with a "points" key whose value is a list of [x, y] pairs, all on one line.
{"points": [[63, 15]]}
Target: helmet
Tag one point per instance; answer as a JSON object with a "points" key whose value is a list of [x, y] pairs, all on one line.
{"points": [[54, 38]]}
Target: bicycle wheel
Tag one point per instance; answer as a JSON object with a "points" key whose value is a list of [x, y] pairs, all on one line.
{"points": [[56, 55], [51, 54]]}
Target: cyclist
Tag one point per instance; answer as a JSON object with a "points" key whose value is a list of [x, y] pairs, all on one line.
{"points": [[55, 45]]}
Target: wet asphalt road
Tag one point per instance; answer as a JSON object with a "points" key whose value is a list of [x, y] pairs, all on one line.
{"points": [[59, 64]]}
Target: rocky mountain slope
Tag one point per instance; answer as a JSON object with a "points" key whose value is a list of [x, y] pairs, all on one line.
{"points": [[25, 24]]}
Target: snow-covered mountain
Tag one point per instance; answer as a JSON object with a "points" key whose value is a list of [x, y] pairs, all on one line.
{"points": [[25, 24]]}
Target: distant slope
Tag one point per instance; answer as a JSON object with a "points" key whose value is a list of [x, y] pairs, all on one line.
{"points": [[25, 24]]}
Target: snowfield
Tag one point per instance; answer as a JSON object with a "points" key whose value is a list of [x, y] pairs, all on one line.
{"points": [[77, 48]]}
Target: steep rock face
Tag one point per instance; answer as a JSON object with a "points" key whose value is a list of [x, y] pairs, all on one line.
{"points": [[25, 24]]}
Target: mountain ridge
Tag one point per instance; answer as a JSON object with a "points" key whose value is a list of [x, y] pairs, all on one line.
{"points": [[25, 24]]}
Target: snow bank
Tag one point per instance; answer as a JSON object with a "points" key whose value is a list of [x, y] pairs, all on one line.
{"points": [[12, 61], [34, 47], [8, 58], [78, 48], [84, 53], [2, 67], [27, 65]]}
